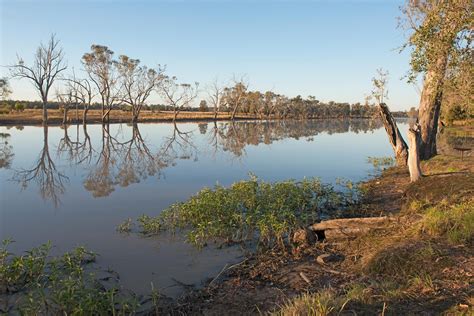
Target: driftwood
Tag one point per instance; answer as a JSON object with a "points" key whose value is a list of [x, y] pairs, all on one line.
{"points": [[349, 227], [414, 138], [396, 140]]}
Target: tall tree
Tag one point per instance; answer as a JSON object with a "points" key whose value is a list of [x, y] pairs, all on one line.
{"points": [[138, 82], [100, 67], [440, 34], [47, 65], [234, 96]]}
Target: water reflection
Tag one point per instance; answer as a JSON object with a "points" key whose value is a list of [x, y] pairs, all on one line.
{"points": [[106, 174], [236, 136], [121, 160], [6, 152], [50, 181]]}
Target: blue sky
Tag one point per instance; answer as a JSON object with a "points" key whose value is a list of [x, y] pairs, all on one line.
{"points": [[329, 49]]}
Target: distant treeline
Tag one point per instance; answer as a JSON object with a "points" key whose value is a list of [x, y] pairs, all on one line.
{"points": [[289, 108]]}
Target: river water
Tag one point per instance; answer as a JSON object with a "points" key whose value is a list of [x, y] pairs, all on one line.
{"points": [[74, 186]]}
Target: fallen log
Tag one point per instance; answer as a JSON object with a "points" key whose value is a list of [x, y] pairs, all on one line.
{"points": [[349, 227]]}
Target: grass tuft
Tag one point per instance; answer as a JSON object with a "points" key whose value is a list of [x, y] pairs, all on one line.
{"points": [[323, 303], [455, 222]]}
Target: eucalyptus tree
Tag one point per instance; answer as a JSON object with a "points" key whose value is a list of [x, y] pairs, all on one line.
{"points": [[440, 35], [47, 65], [269, 103], [137, 82], [177, 95], [100, 67], [234, 96]]}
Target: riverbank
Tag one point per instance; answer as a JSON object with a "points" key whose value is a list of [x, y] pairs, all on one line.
{"points": [[55, 117], [421, 261]]}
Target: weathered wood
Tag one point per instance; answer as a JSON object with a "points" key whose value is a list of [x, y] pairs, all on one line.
{"points": [[349, 227], [396, 140], [414, 138]]}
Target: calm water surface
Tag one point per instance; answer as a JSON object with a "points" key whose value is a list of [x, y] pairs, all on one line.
{"points": [[74, 186]]}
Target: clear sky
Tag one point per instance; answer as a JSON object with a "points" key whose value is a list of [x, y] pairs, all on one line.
{"points": [[329, 49]]}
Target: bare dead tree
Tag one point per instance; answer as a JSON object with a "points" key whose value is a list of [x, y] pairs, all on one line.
{"points": [[65, 99], [99, 65], [137, 83], [83, 94], [395, 138], [47, 66], [214, 96], [177, 95]]}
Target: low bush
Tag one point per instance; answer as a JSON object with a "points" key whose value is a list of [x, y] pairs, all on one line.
{"points": [[251, 209]]}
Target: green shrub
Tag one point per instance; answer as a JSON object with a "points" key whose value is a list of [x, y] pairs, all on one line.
{"points": [[20, 107], [249, 209]]}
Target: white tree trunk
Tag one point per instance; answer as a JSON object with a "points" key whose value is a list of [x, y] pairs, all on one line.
{"points": [[414, 139]]}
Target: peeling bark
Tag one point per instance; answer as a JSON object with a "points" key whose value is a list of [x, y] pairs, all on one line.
{"points": [[396, 140]]}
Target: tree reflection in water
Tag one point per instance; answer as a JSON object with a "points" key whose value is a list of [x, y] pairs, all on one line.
{"points": [[124, 160], [50, 181], [6, 152]]}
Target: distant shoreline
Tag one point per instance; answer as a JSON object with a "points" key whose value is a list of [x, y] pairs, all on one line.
{"points": [[33, 117]]}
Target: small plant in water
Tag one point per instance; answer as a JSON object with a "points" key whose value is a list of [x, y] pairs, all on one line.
{"points": [[36, 284], [249, 209], [381, 163], [126, 226]]}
